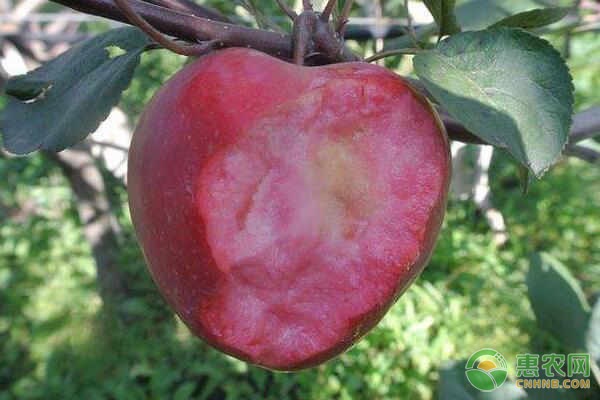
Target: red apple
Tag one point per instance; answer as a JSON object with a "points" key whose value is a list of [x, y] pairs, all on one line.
{"points": [[283, 209]]}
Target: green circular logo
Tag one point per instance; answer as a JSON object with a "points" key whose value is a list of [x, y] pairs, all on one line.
{"points": [[486, 370]]}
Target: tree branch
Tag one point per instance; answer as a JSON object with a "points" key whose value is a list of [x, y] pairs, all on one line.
{"points": [[189, 27], [583, 153], [457, 131], [586, 124], [194, 29]]}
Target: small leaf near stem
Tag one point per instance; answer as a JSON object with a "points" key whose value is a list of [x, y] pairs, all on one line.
{"points": [[260, 18], [390, 53]]}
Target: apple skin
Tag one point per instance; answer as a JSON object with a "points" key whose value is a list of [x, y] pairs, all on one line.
{"points": [[283, 209]]}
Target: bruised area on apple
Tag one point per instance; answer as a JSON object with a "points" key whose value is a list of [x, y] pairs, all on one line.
{"points": [[283, 209]]}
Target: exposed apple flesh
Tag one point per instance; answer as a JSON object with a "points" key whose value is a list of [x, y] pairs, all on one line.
{"points": [[283, 209]]}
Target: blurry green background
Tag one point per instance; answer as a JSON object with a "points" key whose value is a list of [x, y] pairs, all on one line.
{"points": [[57, 341]]}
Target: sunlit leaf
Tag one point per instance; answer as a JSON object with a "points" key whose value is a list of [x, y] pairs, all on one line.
{"points": [[506, 86]]}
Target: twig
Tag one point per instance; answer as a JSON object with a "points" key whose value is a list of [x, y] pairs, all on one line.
{"points": [[24, 8], [586, 124], [113, 146], [583, 153], [326, 14], [343, 19], [160, 38], [287, 10], [390, 53], [261, 19], [456, 131]]}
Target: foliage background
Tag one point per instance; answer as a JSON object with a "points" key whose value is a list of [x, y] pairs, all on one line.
{"points": [[58, 342]]}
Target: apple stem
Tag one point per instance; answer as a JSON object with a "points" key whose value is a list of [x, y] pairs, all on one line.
{"points": [[304, 27]]}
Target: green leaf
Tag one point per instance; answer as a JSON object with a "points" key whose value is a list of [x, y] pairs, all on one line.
{"points": [[479, 14], [557, 301], [533, 18], [60, 103], [443, 14], [506, 86]]}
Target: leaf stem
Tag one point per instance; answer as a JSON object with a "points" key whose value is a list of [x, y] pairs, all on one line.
{"points": [[390, 53]]}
